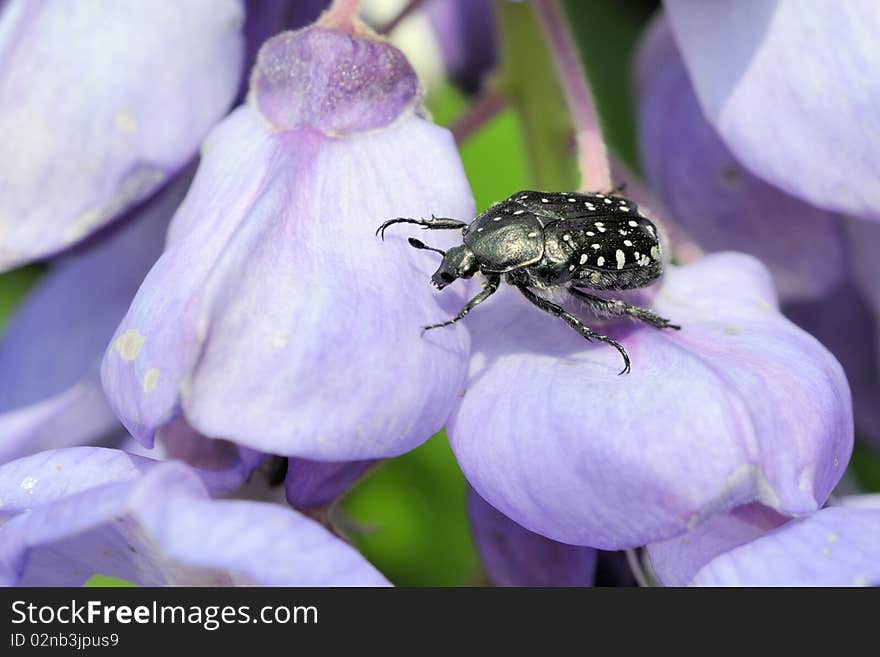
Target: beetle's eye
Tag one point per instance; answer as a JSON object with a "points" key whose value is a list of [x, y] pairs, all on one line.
{"points": [[447, 278]]}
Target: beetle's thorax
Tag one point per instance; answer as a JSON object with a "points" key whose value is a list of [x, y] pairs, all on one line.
{"points": [[459, 262]]}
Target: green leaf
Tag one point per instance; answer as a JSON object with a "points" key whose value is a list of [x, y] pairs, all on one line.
{"points": [[606, 33], [413, 522], [103, 581], [14, 285], [865, 465]]}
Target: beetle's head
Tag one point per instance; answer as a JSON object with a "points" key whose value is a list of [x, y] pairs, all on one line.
{"points": [[459, 262]]}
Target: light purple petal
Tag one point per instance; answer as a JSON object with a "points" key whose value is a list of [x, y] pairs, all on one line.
{"points": [[676, 561], [843, 321], [720, 204], [329, 81], [514, 556], [295, 330], [311, 484], [161, 529], [52, 475], [838, 546], [793, 93], [102, 102], [50, 393], [739, 406]]}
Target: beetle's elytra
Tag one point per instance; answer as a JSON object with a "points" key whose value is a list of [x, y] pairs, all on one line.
{"points": [[548, 239]]}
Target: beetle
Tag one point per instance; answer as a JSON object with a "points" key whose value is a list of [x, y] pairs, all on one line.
{"points": [[541, 240]]}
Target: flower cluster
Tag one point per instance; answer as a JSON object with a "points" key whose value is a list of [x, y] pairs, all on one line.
{"points": [[203, 322]]}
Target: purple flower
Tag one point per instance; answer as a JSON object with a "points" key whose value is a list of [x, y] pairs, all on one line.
{"points": [[720, 204], [739, 406], [50, 391], [792, 93], [723, 206], [754, 546], [276, 318], [95, 125], [514, 556], [466, 33], [73, 513]]}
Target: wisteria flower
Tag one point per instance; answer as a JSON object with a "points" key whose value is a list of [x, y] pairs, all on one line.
{"points": [[95, 125], [754, 546], [275, 318], [792, 93], [739, 406], [724, 206], [69, 514]]}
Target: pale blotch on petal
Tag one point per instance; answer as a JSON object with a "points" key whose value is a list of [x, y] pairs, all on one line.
{"points": [[151, 379], [129, 345]]}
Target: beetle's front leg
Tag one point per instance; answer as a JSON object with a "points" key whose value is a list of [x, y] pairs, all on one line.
{"points": [[614, 308], [434, 223], [575, 323], [488, 290]]}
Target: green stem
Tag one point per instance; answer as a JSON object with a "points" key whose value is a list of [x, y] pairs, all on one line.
{"points": [[528, 79]]}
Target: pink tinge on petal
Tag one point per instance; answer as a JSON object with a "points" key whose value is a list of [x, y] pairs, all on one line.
{"points": [[329, 81]]}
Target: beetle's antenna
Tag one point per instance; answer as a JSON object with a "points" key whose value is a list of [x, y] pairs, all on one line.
{"points": [[418, 244]]}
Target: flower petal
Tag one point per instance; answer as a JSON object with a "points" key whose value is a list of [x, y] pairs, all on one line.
{"points": [[791, 92], [329, 81], [466, 35], [514, 556], [95, 125], [676, 561], [161, 529], [739, 406], [50, 393], [286, 303], [837, 546], [720, 204], [311, 484]]}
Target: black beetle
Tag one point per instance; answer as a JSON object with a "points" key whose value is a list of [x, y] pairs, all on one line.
{"points": [[549, 239]]}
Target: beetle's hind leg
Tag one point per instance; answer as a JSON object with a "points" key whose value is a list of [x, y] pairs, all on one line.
{"points": [[488, 290], [575, 323], [434, 223], [614, 308]]}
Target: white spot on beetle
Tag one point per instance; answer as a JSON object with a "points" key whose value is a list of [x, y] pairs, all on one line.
{"points": [[600, 261], [655, 253], [590, 233], [623, 232], [634, 224], [544, 200], [571, 268], [496, 219], [590, 206], [533, 234], [129, 344], [595, 246], [624, 208], [572, 200], [584, 258], [621, 258], [566, 237], [519, 212], [628, 243], [607, 201]]}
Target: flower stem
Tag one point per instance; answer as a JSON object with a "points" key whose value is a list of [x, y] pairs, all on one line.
{"points": [[592, 153], [632, 558], [483, 110], [342, 15], [408, 8], [526, 79]]}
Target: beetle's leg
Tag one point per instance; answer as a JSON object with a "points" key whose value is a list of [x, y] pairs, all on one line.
{"points": [[614, 308], [489, 288], [575, 323], [419, 244], [434, 223]]}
